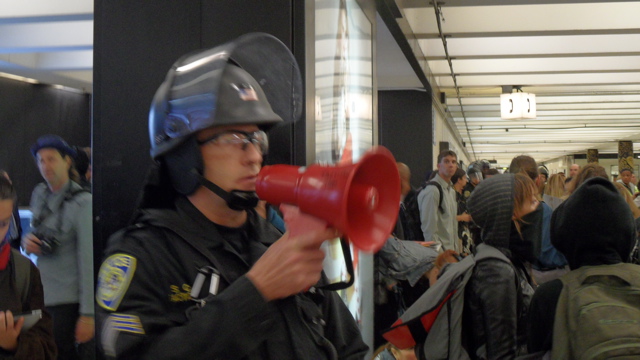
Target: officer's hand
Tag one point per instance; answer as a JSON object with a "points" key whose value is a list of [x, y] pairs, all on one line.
{"points": [[291, 264], [85, 329], [9, 331], [31, 244]]}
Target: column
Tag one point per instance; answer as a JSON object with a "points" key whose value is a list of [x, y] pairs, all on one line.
{"points": [[592, 156], [625, 155]]}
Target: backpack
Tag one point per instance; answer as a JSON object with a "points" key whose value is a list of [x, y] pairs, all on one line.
{"points": [[598, 313], [437, 185], [433, 323], [22, 274], [411, 224]]}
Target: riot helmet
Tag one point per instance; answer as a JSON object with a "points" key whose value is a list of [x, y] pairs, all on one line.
{"points": [[542, 170], [252, 80], [475, 174]]}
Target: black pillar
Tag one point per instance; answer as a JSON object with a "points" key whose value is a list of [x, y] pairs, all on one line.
{"points": [[405, 127], [134, 46]]}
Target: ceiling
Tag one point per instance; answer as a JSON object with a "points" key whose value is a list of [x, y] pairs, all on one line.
{"points": [[48, 41], [580, 58]]}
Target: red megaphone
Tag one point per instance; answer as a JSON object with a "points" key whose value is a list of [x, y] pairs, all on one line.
{"points": [[361, 200]]}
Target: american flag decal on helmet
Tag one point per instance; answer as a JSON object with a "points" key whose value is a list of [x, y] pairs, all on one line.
{"points": [[246, 92]]}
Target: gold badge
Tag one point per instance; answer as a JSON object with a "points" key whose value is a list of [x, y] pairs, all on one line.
{"points": [[114, 278]]}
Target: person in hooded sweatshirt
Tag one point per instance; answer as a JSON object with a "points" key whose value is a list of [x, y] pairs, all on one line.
{"points": [[594, 226], [498, 292]]}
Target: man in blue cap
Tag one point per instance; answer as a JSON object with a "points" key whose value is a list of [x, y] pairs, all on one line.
{"points": [[62, 240]]}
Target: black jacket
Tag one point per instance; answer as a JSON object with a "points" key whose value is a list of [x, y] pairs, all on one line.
{"points": [[494, 316], [498, 293], [147, 313], [37, 343]]}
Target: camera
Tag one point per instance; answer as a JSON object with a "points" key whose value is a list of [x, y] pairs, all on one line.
{"points": [[49, 244]]}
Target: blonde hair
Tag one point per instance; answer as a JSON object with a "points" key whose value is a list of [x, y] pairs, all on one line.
{"points": [[555, 185], [524, 189], [628, 198], [586, 172]]}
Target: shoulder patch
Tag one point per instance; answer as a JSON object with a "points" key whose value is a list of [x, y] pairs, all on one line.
{"points": [[114, 278]]}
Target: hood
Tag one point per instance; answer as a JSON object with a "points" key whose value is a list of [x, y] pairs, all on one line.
{"points": [[491, 207], [594, 226]]}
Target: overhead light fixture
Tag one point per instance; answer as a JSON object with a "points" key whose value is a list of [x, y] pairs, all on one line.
{"points": [[517, 105]]}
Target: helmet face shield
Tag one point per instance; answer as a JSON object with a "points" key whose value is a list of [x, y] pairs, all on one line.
{"points": [[252, 80], [475, 177]]}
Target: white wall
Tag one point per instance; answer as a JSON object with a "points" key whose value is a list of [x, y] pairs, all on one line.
{"points": [[444, 133], [563, 164]]}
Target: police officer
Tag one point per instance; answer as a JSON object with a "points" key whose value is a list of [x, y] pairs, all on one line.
{"points": [[474, 172], [201, 275]]}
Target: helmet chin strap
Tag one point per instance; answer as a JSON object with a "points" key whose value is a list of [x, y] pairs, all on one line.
{"points": [[236, 199]]}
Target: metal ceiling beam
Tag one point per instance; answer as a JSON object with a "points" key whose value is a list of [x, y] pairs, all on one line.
{"points": [[499, 34], [453, 3]]}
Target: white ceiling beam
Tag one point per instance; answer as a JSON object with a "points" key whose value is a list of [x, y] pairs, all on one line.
{"points": [[533, 45], [56, 61], [563, 119], [568, 114], [35, 37], [603, 63], [21, 60], [469, 19], [542, 79], [12, 9], [585, 100], [53, 61], [572, 109], [550, 90]]}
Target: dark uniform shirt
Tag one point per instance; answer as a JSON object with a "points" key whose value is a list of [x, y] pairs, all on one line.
{"points": [[146, 312]]}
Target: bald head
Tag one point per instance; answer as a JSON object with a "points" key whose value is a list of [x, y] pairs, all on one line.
{"points": [[573, 170], [405, 178]]}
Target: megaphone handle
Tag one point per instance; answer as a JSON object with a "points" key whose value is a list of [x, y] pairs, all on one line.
{"points": [[346, 251], [298, 222]]}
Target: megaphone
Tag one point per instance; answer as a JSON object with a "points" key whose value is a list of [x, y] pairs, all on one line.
{"points": [[361, 200]]}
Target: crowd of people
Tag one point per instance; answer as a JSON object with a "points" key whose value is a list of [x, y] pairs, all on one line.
{"points": [[48, 312], [549, 228], [208, 271]]}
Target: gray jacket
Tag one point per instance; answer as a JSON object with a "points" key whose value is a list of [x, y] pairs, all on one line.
{"points": [[436, 225], [67, 273]]}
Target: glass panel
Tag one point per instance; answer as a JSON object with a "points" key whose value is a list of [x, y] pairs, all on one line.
{"points": [[344, 107], [344, 83]]}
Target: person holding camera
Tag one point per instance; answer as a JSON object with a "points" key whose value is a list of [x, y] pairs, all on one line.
{"points": [[62, 240]]}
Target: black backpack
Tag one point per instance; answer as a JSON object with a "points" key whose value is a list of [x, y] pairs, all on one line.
{"points": [[22, 274], [437, 185]]}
